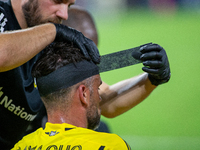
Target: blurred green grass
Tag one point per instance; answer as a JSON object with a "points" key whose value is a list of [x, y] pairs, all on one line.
{"points": [[169, 118]]}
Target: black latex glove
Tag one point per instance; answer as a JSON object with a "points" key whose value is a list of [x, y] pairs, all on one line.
{"points": [[87, 46], [155, 63]]}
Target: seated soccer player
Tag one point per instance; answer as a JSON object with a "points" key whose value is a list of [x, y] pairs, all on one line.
{"points": [[124, 95], [69, 87]]}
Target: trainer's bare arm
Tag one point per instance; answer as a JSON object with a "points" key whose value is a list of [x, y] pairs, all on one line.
{"points": [[124, 95], [17, 47]]}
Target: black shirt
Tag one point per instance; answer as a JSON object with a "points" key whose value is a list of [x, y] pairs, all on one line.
{"points": [[19, 100]]}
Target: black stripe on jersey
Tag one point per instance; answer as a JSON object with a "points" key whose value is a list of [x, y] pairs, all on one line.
{"points": [[128, 147], [102, 148], [67, 129]]}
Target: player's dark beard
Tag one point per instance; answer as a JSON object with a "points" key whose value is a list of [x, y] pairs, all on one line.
{"points": [[93, 117], [32, 13]]}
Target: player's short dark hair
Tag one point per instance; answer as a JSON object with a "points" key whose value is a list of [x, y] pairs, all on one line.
{"points": [[55, 56]]}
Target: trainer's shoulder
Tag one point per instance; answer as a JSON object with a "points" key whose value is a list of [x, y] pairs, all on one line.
{"points": [[4, 14], [3, 5]]}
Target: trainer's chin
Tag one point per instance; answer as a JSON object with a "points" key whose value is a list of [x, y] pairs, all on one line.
{"points": [[57, 21]]}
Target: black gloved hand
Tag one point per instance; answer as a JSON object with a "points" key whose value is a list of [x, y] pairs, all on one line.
{"points": [[87, 46], [155, 63]]}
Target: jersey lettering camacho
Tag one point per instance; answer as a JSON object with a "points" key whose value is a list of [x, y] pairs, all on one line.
{"points": [[68, 137]]}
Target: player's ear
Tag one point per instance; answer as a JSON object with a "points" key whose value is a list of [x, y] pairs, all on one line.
{"points": [[84, 94]]}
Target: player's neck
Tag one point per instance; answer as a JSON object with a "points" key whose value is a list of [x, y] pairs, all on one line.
{"points": [[73, 119]]}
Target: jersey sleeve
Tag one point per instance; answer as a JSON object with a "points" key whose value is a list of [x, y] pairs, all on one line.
{"points": [[19, 146], [127, 145], [115, 142], [122, 145]]}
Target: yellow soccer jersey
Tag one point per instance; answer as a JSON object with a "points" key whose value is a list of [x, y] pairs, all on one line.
{"points": [[68, 137]]}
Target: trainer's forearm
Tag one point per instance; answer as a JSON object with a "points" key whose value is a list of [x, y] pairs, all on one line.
{"points": [[125, 95], [18, 47]]}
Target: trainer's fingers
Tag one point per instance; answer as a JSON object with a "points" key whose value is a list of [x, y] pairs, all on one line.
{"points": [[152, 71], [80, 42], [153, 63], [150, 47], [92, 51], [136, 55], [153, 55]]}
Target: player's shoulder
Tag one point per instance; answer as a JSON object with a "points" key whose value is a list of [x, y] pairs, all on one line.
{"points": [[103, 138], [29, 137], [27, 140]]}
